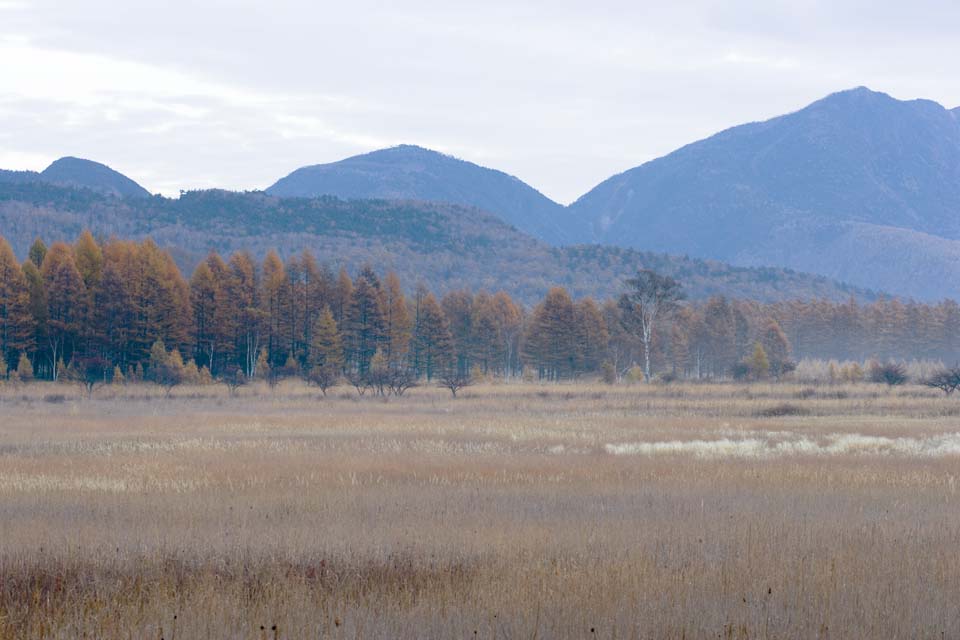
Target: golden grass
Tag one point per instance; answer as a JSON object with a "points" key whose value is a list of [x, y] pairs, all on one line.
{"points": [[516, 511]]}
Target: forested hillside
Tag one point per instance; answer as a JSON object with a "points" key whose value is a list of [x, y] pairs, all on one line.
{"points": [[409, 172], [448, 246]]}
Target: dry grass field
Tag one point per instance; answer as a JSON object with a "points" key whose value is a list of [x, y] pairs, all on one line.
{"points": [[520, 511]]}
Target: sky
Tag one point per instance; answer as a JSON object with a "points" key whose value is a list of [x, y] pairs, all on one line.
{"points": [[182, 94]]}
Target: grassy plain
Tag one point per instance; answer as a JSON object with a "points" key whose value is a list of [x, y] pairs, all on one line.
{"points": [[515, 511]]}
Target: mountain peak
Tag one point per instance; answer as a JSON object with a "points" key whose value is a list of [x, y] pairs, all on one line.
{"points": [[856, 173], [80, 172], [412, 172]]}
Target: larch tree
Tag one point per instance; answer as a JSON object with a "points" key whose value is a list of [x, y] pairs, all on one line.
{"points": [[364, 328], [509, 318], [89, 259], [37, 291], [248, 321], [776, 347], [16, 321], [550, 342], [326, 352], [458, 307], [66, 304], [433, 340], [486, 341], [38, 250], [274, 298], [397, 322], [591, 335], [342, 295], [204, 295]]}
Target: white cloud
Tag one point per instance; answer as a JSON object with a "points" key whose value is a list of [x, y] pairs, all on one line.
{"points": [[562, 94]]}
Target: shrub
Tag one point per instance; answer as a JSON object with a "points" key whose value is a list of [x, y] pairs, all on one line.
{"points": [[24, 368], [891, 373], [608, 372], [781, 410]]}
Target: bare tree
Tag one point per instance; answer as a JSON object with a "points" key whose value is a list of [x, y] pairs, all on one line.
{"points": [[89, 371], [234, 378], [947, 380], [454, 379], [649, 298]]}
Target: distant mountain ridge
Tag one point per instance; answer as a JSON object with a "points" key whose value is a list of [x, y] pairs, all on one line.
{"points": [[845, 187], [409, 172], [444, 246], [77, 172], [857, 187]]}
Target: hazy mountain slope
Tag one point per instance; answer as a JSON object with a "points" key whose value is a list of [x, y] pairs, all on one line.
{"points": [[93, 175], [444, 246], [18, 176], [414, 173], [818, 190]]}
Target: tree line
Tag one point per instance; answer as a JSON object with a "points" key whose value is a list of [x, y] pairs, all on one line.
{"points": [[119, 309]]}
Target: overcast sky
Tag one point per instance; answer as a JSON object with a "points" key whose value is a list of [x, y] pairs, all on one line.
{"points": [[188, 94]]}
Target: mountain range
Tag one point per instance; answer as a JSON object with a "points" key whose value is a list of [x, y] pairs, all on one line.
{"points": [[857, 187], [444, 246]]}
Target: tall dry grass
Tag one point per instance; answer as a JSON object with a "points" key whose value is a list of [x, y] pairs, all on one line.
{"points": [[517, 511]]}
